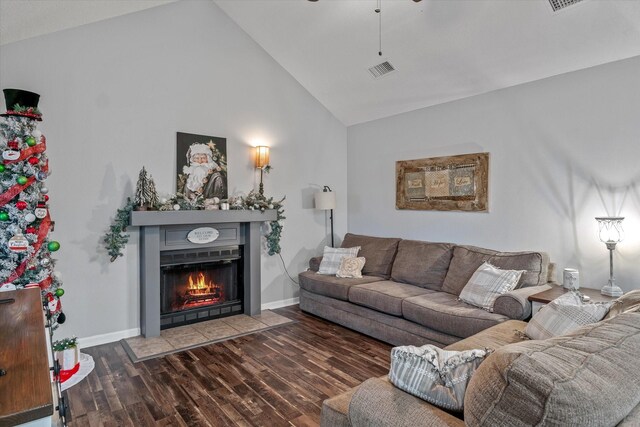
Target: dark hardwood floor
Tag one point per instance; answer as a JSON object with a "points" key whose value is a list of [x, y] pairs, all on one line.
{"points": [[274, 378]]}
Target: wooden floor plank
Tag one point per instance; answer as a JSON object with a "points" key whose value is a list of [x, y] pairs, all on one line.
{"points": [[273, 378]]}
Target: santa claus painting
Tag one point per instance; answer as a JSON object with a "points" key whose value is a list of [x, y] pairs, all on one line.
{"points": [[202, 166]]}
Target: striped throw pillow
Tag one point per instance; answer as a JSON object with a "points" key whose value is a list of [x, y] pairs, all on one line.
{"points": [[435, 375], [332, 257], [487, 284], [565, 314]]}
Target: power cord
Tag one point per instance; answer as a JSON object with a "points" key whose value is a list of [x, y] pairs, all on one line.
{"points": [[285, 269]]}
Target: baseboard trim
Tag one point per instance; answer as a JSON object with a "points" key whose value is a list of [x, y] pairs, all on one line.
{"points": [[107, 338], [280, 304]]}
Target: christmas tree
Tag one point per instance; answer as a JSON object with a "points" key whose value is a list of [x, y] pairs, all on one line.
{"points": [[146, 194], [25, 248]]}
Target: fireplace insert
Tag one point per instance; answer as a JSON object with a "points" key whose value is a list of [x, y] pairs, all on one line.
{"points": [[198, 285]]}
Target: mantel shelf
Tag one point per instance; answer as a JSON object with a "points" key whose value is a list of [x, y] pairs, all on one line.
{"points": [[155, 218]]}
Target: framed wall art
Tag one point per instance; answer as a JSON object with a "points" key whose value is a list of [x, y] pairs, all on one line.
{"points": [[201, 169], [452, 183]]}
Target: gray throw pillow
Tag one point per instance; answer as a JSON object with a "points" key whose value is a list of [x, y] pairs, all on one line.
{"points": [[332, 257], [438, 376]]}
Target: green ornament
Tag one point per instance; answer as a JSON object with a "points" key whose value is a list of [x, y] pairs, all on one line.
{"points": [[2, 168], [4, 216], [22, 180], [31, 141], [53, 246], [59, 292]]}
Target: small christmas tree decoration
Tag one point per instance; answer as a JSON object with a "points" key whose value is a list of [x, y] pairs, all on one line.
{"points": [[146, 194], [4, 216], [31, 141], [41, 211], [59, 292], [10, 155], [53, 246], [21, 204], [22, 180], [33, 160], [18, 243], [2, 168], [29, 217]]}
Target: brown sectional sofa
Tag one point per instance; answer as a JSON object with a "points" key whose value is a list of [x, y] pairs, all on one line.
{"points": [[409, 290]]}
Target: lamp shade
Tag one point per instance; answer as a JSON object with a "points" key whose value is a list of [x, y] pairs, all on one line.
{"points": [[325, 200], [262, 156], [610, 229]]}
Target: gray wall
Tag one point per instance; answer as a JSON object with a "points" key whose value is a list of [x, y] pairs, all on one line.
{"points": [[563, 150], [115, 93]]}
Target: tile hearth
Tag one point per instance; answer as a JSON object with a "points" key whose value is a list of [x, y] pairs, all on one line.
{"points": [[197, 334]]}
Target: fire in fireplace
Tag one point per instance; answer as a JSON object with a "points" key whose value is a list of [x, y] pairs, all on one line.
{"points": [[199, 285]]}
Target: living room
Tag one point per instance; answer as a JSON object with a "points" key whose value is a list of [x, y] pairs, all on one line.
{"points": [[556, 108]]}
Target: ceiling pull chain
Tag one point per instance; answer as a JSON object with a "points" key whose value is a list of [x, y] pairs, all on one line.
{"points": [[379, 12]]}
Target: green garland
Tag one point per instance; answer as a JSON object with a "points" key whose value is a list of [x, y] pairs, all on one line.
{"points": [[116, 238], [65, 344]]}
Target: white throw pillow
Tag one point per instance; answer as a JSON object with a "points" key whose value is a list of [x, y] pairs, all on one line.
{"points": [[435, 375], [332, 257], [487, 284], [351, 267], [565, 314]]}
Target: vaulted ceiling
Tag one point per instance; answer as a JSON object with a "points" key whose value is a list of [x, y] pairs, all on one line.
{"points": [[442, 49]]}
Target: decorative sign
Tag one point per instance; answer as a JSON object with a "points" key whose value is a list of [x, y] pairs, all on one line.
{"points": [[18, 243], [203, 235], [40, 213]]}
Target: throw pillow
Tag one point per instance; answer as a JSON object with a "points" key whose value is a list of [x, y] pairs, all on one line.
{"points": [[435, 375], [351, 267], [563, 315], [332, 257], [487, 283]]}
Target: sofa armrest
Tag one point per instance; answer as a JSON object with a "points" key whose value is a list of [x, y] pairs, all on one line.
{"points": [[377, 402], [515, 304], [314, 263]]}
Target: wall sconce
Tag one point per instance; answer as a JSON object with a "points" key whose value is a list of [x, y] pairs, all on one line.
{"points": [[326, 201], [610, 233], [262, 162]]}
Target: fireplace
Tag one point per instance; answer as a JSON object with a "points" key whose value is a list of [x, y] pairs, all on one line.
{"points": [[165, 245], [198, 285]]}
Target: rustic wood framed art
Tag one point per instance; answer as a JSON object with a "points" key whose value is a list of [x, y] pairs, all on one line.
{"points": [[452, 183]]}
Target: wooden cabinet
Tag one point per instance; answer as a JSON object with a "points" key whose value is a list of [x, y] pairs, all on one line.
{"points": [[25, 387]]}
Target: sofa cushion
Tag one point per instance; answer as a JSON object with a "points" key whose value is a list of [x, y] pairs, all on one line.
{"points": [[443, 312], [422, 264], [331, 286], [487, 283], [385, 296], [497, 336], [378, 251], [590, 377], [467, 259]]}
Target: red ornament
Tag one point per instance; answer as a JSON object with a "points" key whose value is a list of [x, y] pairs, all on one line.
{"points": [[46, 197], [33, 160], [13, 144], [30, 230], [21, 204]]}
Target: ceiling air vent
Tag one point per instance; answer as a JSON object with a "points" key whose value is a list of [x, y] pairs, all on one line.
{"points": [[561, 4], [380, 70]]}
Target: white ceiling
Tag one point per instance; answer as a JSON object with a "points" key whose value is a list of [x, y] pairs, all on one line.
{"points": [[443, 49]]}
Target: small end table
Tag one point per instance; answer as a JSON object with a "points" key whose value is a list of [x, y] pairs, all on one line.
{"points": [[545, 297]]}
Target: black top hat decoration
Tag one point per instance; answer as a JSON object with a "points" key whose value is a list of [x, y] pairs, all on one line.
{"points": [[22, 103]]}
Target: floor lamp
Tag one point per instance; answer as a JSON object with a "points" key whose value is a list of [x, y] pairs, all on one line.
{"points": [[326, 201], [610, 233]]}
